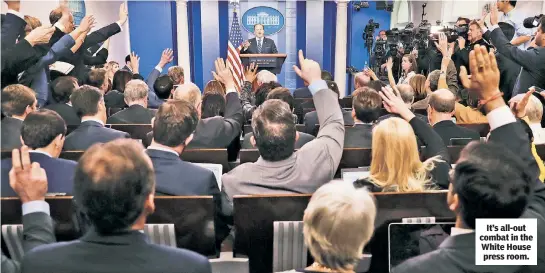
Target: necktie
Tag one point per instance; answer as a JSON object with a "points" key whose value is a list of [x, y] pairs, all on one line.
{"points": [[517, 85], [259, 46]]}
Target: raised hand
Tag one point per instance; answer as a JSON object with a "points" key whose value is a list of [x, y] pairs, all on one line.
{"points": [[442, 46], [135, 63], [166, 57], [28, 180], [40, 35], [394, 104], [123, 14], [310, 70], [493, 15], [223, 74], [250, 72], [246, 44], [485, 75], [87, 23], [390, 64], [519, 107]]}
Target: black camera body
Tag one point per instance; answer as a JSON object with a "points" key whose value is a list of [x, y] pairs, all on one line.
{"points": [[532, 22]]}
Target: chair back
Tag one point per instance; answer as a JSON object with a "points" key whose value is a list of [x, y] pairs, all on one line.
{"points": [[289, 249], [161, 234], [13, 236]]}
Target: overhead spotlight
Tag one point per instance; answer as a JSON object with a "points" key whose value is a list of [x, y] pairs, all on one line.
{"points": [[361, 5]]}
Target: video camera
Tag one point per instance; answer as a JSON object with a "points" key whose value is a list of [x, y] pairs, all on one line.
{"points": [[532, 22], [404, 36], [368, 33]]}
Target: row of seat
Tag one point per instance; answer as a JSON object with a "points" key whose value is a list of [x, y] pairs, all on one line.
{"points": [[254, 218]]}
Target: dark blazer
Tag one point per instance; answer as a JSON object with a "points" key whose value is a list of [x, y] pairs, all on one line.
{"points": [[311, 119], [457, 253], [37, 230], [67, 112], [359, 136], [89, 133], [60, 174], [302, 92], [268, 46], [448, 129], [11, 133], [122, 252], [135, 114], [531, 60], [219, 132], [304, 138], [114, 99]]}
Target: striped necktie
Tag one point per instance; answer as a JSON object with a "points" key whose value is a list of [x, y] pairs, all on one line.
{"points": [[259, 45]]}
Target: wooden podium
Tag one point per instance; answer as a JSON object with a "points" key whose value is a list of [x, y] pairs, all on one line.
{"points": [[270, 62]]}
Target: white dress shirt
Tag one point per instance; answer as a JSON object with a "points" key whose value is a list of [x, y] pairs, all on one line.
{"points": [[516, 19]]}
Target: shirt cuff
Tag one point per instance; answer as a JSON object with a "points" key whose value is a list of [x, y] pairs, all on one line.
{"points": [[317, 86], [499, 117], [230, 90], [16, 13], [158, 68], [120, 26], [59, 26], [36, 206]]}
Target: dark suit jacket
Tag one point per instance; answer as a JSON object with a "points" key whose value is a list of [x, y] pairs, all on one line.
{"points": [[66, 111], [457, 253], [304, 138], [37, 230], [268, 46], [219, 132], [60, 174], [11, 133], [359, 136], [121, 252], [89, 133], [135, 114], [447, 130], [533, 70], [311, 119], [302, 92], [115, 99]]}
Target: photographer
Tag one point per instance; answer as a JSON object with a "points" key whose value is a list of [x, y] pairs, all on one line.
{"points": [[533, 70], [475, 37]]}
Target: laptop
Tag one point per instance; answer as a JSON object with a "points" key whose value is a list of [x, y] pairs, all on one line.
{"points": [[217, 169], [353, 174]]}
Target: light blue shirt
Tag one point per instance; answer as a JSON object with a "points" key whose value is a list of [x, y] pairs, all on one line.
{"points": [[516, 19], [317, 86], [36, 206]]}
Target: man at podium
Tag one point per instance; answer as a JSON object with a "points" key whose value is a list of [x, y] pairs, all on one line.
{"points": [[259, 44]]}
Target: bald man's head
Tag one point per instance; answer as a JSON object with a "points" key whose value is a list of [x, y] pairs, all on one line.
{"points": [[188, 92], [442, 101], [361, 80], [406, 92]]}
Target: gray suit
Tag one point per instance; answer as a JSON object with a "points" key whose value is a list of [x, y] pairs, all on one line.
{"points": [[303, 172], [37, 230]]}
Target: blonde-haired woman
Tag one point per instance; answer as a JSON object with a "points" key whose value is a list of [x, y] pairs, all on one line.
{"points": [[396, 165], [338, 222], [418, 83], [214, 87]]}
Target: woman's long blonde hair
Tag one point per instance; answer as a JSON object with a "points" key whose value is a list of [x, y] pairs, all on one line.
{"points": [[396, 165]]}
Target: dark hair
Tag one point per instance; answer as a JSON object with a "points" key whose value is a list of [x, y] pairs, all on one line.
{"points": [[412, 60], [55, 15], [273, 127], [85, 100], [491, 182], [513, 3], [174, 122], [163, 87], [127, 58], [542, 24], [366, 103], [442, 105], [16, 98], [121, 78], [377, 85], [41, 127], [434, 79], [283, 94], [333, 87], [111, 184], [62, 88], [97, 77], [213, 105], [262, 92], [326, 76], [466, 20]]}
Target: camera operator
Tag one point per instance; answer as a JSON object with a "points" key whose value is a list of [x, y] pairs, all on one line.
{"points": [[475, 37], [461, 21], [531, 60]]}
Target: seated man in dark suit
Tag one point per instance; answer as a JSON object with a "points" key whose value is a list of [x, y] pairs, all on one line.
{"points": [[498, 179], [366, 104], [115, 188], [88, 102], [136, 97], [30, 184], [43, 132], [303, 92], [440, 111], [62, 89], [17, 102], [283, 94], [311, 119], [98, 78]]}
